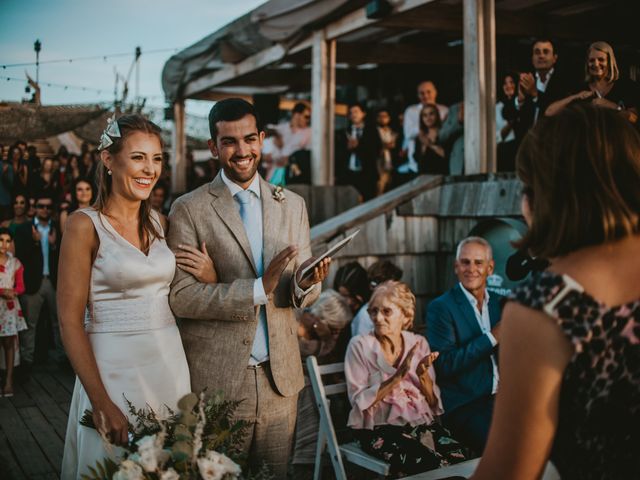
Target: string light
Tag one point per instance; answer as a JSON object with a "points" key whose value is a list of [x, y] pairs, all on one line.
{"points": [[94, 57], [74, 87]]}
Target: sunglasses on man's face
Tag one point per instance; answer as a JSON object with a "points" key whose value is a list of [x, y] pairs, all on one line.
{"points": [[44, 206]]}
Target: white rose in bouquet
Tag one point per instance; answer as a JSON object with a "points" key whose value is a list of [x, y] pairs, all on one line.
{"points": [[151, 454], [129, 470], [170, 474], [214, 466]]}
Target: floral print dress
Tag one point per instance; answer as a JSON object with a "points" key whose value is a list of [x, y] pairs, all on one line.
{"points": [[11, 318], [598, 435]]}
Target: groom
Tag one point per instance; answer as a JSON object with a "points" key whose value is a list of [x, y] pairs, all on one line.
{"points": [[239, 334]]}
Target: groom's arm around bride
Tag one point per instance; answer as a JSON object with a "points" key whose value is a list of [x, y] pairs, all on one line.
{"points": [[240, 334]]}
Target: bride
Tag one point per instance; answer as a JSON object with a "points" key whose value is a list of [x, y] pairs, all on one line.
{"points": [[115, 270]]}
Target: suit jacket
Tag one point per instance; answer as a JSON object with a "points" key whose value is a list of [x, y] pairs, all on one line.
{"points": [[558, 88], [30, 255], [368, 149], [220, 320], [464, 368]]}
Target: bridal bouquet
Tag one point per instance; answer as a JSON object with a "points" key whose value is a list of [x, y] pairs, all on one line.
{"points": [[200, 442]]}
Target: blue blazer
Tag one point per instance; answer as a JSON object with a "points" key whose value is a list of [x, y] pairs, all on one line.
{"points": [[464, 368]]}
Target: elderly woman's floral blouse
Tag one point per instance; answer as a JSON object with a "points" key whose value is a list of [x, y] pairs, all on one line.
{"points": [[366, 368]]}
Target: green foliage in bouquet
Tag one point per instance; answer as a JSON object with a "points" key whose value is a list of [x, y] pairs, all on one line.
{"points": [[201, 441]]}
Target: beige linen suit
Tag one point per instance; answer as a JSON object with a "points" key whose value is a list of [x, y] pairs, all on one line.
{"points": [[219, 320]]}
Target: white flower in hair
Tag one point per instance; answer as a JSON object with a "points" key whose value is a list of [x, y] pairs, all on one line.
{"points": [[112, 130]]}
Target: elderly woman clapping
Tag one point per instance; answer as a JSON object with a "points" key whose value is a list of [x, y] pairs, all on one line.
{"points": [[391, 385]]}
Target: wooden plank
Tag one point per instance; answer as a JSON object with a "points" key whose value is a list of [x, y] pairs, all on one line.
{"points": [[50, 443], [9, 467], [427, 203], [56, 414], [371, 209], [25, 448], [52, 387], [66, 378], [20, 397], [421, 234]]}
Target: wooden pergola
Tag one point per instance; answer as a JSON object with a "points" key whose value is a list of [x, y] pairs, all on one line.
{"points": [[351, 39]]}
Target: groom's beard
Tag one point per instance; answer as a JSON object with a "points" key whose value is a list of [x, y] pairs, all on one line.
{"points": [[242, 169]]}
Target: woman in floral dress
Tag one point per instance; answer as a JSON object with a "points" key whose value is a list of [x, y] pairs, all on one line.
{"points": [[11, 319]]}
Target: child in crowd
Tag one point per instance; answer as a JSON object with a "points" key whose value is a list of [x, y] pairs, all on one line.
{"points": [[11, 319]]}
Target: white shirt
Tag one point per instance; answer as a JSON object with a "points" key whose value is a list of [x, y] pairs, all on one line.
{"points": [[485, 325], [362, 322], [501, 123], [44, 244], [293, 141], [259, 295], [411, 128]]}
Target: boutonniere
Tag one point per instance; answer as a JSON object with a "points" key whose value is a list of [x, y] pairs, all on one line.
{"points": [[278, 194]]}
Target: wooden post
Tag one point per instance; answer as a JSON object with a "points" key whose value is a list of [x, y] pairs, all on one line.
{"points": [[178, 150], [479, 86], [323, 90]]}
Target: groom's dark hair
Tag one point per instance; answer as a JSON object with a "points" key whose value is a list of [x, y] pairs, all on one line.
{"points": [[229, 110]]}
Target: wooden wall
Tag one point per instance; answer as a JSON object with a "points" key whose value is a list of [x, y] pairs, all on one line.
{"points": [[324, 203], [418, 226]]}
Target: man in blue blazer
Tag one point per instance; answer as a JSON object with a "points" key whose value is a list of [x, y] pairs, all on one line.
{"points": [[463, 325]]}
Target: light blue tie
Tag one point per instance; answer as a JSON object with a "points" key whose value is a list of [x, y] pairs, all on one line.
{"points": [[250, 215]]}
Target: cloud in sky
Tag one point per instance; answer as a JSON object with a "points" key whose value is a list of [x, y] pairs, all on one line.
{"points": [[81, 28]]}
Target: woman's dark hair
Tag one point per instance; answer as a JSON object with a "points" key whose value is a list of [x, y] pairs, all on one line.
{"points": [[423, 126], [500, 93], [74, 198], [6, 231], [148, 228], [381, 271], [581, 172], [230, 110], [299, 107], [353, 277]]}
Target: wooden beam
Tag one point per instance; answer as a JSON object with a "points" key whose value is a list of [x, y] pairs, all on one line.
{"points": [[178, 150], [323, 88], [358, 53], [479, 87], [250, 64], [349, 23]]}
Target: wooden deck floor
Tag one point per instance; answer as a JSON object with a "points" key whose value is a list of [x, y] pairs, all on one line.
{"points": [[33, 424]]}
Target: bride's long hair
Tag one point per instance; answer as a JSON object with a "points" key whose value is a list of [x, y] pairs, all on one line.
{"points": [[148, 227]]}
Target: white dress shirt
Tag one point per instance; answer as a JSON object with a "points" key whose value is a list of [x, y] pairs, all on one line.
{"points": [[485, 325]]}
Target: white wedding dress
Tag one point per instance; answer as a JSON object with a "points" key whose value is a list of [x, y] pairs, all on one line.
{"points": [[134, 338]]}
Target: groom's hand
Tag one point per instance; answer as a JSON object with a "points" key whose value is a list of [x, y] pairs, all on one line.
{"points": [[320, 272], [272, 274]]}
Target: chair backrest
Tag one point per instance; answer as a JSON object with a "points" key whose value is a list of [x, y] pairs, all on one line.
{"points": [[327, 432]]}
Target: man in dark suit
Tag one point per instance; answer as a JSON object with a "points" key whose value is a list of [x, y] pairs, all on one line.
{"points": [[463, 325], [357, 149], [37, 249], [537, 90]]}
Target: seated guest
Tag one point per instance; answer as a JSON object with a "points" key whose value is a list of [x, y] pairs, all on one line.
{"points": [[322, 332], [570, 375], [428, 153], [377, 273], [463, 325], [603, 86], [351, 281], [391, 385]]}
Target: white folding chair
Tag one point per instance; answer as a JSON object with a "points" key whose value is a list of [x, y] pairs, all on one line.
{"points": [[327, 435]]}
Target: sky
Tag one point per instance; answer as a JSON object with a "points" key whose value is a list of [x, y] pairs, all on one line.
{"points": [[70, 29]]}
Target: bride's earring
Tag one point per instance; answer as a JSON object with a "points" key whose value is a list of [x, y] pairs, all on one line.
{"points": [[109, 172]]}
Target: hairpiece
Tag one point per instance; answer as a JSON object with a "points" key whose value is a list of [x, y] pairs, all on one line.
{"points": [[112, 130]]}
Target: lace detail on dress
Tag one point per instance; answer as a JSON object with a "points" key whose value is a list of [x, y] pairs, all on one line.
{"points": [[599, 422]]}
